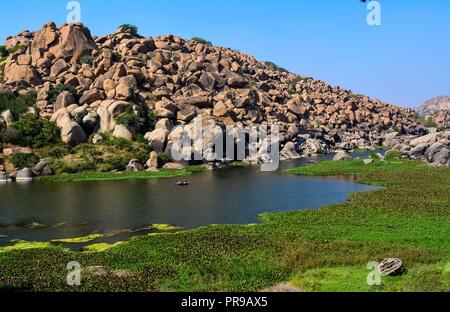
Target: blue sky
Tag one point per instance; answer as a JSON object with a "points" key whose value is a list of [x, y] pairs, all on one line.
{"points": [[404, 61]]}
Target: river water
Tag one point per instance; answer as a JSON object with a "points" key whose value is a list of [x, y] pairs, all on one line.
{"points": [[41, 211]]}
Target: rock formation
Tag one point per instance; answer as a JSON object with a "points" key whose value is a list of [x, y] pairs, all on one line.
{"points": [[178, 80]]}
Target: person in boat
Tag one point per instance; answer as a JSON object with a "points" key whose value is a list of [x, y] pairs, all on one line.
{"points": [[182, 183]]}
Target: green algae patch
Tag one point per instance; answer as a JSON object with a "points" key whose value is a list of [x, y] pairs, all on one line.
{"points": [[23, 245], [101, 247], [78, 240], [165, 227]]}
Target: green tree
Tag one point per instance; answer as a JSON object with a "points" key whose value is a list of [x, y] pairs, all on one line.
{"points": [[35, 132]]}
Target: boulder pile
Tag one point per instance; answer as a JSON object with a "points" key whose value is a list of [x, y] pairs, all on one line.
{"points": [[433, 148], [178, 80]]}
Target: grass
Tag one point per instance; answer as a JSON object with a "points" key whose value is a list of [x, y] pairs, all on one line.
{"points": [[112, 176], [316, 250]]}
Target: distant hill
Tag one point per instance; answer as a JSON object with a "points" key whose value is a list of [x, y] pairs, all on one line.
{"points": [[435, 105]]}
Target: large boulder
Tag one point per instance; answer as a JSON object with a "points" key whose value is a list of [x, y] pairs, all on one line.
{"points": [[7, 117], [436, 148], [342, 155], [63, 100], [71, 132], [429, 139], [152, 162], [157, 139], [134, 165], [71, 39], [121, 131], [442, 157], [289, 151], [4, 177], [108, 111], [90, 96], [42, 169], [25, 175], [15, 73]]}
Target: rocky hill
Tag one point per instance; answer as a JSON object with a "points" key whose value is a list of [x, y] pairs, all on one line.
{"points": [[85, 83], [437, 110], [435, 105]]}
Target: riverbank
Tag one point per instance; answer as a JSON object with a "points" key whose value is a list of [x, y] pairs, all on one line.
{"points": [[115, 176], [315, 250]]}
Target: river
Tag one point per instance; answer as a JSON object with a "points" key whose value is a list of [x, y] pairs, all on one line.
{"points": [[42, 211]]}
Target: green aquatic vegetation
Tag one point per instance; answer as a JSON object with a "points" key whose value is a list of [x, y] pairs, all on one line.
{"points": [[240, 164], [23, 245], [76, 240], [101, 247], [164, 227]]}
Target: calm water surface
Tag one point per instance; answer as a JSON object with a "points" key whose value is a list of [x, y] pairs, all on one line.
{"points": [[41, 211]]}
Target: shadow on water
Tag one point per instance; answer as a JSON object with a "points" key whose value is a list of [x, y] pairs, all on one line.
{"points": [[41, 211]]}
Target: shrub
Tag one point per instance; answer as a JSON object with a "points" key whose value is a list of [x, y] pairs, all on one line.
{"points": [[163, 159], [16, 104], [129, 28], [120, 143], [72, 166], [55, 91], [114, 162], [57, 151], [392, 154], [87, 59], [130, 120], [22, 160], [201, 40], [3, 52], [35, 132], [427, 121], [275, 67], [17, 48], [293, 82], [84, 149], [117, 57]]}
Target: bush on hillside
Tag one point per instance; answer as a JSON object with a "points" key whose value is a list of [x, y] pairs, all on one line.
{"points": [[22, 160], [275, 66], [129, 28], [17, 48], [87, 59], [163, 159], [16, 104], [3, 52], [201, 40], [60, 150], [130, 120], [55, 91], [35, 132], [117, 57]]}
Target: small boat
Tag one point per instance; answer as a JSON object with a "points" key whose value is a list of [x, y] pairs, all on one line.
{"points": [[181, 183]]}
